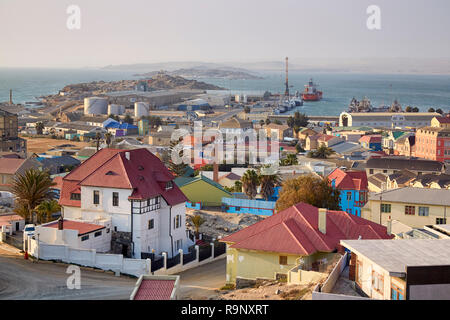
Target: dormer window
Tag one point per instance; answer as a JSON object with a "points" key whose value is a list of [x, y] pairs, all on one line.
{"points": [[140, 168], [75, 196], [110, 173], [169, 185]]}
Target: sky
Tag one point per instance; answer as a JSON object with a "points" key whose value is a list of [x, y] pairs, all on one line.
{"points": [[34, 33]]}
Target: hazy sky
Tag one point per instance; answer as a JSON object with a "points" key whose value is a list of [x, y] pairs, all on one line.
{"points": [[34, 33]]}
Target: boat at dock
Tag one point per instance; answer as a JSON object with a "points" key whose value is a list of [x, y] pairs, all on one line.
{"points": [[311, 93]]}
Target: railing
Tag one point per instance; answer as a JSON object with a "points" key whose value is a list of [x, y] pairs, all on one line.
{"points": [[157, 264], [219, 248], [173, 261], [188, 257]]}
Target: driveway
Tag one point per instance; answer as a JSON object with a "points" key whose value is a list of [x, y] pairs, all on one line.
{"points": [[202, 282], [24, 279]]}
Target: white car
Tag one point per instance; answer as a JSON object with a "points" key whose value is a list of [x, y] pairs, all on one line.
{"points": [[28, 230]]}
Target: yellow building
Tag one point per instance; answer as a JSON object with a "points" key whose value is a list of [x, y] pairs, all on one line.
{"points": [[300, 237], [415, 207], [201, 189]]}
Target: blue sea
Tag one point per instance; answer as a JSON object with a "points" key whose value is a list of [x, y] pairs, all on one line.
{"points": [[422, 91]]}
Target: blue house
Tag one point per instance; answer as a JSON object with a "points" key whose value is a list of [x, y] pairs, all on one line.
{"points": [[353, 187], [371, 142]]}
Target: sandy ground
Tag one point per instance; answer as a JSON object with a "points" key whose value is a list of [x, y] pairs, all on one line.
{"points": [[204, 282], [221, 223], [24, 279], [40, 145], [271, 290]]}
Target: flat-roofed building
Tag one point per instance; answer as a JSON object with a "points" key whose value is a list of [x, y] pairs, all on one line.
{"points": [[401, 269], [415, 207], [387, 119]]}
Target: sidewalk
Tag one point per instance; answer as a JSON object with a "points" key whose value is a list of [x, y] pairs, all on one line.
{"points": [[8, 248]]}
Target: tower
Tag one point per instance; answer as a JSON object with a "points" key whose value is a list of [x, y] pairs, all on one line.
{"points": [[286, 92]]}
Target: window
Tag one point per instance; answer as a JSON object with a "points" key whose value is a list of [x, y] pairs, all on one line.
{"points": [[98, 234], [441, 220], [177, 221], [84, 238], [377, 282], [349, 196], [282, 260], [169, 185], [75, 196], [150, 205], [396, 293], [115, 199], [359, 272], [96, 197], [385, 208], [178, 244], [424, 211], [410, 210], [151, 224], [371, 171]]}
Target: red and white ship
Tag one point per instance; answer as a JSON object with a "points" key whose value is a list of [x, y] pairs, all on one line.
{"points": [[311, 93]]}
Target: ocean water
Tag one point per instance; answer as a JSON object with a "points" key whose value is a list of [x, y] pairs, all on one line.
{"points": [[422, 91]]}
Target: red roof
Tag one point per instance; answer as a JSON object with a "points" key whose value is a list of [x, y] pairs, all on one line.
{"points": [[6, 220], [82, 227], [349, 180], [295, 231], [443, 119], [374, 138], [152, 289], [144, 174], [10, 165]]}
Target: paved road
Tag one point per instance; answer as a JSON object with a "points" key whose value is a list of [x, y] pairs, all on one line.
{"points": [[202, 282], [23, 279]]}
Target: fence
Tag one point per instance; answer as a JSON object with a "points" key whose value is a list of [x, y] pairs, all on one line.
{"points": [[14, 241], [117, 263], [219, 248]]}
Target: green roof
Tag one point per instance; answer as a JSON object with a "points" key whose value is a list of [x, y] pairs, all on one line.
{"points": [[397, 134], [183, 181]]}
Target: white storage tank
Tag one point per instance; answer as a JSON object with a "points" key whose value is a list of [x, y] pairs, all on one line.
{"points": [[141, 109], [116, 109], [95, 105]]}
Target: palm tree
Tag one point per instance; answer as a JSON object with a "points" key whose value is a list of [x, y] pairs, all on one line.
{"points": [[46, 209], [39, 128], [31, 189], [268, 182], [197, 221], [322, 152], [97, 138], [250, 181], [108, 138]]}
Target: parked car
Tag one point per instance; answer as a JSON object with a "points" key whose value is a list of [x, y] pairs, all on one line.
{"points": [[28, 230]]}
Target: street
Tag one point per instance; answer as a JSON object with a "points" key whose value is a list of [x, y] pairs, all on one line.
{"points": [[24, 279], [202, 282], [44, 280]]}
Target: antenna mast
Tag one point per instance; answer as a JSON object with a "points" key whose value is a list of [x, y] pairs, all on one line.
{"points": [[286, 92]]}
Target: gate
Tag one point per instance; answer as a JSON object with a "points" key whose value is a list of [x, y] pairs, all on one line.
{"points": [[205, 252], [173, 261], [219, 248], [157, 264]]}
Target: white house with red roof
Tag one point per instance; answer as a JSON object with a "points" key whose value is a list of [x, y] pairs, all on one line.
{"points": [[301, 236], [136, 192]]}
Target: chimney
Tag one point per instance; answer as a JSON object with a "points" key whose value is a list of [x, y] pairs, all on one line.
{"points": [[323, 220], [127, 155], [389, 227], [10, 96], [60, 223], [216, 172]]}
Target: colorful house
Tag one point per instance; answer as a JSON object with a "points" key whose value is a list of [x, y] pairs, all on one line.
{"points": [[371, 142], [300, 237], [258, 207], [353, 186], [202, 190]]}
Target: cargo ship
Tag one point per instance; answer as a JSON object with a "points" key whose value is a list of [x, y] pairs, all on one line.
{"points": [[311, 93]]}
